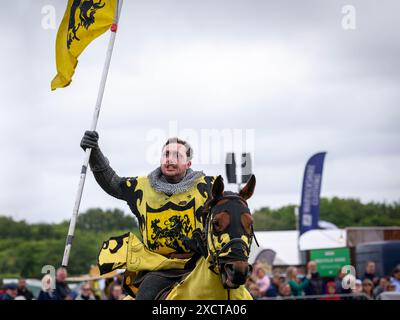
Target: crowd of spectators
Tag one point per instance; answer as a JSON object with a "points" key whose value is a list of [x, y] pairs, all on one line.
{"points": [[262, 284], [292, 285], [61, 290]]}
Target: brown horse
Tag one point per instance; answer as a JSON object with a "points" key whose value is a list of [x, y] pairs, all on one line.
{"points": [[220, 264]]}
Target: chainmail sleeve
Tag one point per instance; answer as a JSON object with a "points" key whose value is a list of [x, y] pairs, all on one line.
{"points": [[105, 176]]}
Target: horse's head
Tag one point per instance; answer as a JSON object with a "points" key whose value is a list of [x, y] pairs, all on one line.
{"points": [[230, 232]]}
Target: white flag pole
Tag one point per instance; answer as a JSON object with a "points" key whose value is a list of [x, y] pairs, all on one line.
{"points": [[93, 126]]}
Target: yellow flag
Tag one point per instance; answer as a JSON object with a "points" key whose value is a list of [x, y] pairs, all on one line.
{"points": [[84, 21]]}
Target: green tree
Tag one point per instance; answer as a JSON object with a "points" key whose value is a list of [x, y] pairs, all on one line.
{"points": [[342, 212], [26, 248], [99, 220], [10, 228]]}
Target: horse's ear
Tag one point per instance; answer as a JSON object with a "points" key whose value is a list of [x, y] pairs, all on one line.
{"points": [[217, 191], [248, 189], [218, 188]]}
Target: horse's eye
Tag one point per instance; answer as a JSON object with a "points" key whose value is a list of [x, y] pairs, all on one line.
{"points": [[220, 222]]}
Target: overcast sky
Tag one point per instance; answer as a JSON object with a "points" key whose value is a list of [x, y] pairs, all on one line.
{"points": [[283, 75]]}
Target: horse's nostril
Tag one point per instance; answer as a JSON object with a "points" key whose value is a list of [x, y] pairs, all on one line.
{"points": [[229, 268]]}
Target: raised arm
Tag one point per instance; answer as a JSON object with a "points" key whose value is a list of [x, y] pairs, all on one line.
{"points": [[105, 176]]}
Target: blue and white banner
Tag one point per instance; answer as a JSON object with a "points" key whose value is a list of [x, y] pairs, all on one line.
{"points": [[309, 208]]}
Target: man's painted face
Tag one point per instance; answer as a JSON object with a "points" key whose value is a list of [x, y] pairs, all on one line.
{"points": [[174, 161]]}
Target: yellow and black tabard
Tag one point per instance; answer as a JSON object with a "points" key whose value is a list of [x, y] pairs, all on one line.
{"points": [[163, 221]]}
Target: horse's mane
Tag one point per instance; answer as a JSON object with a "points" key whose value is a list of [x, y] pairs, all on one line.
{"points": [[230, 193]]}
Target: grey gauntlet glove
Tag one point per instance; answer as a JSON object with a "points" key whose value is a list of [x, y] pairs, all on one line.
{"points": [[90, 140], [103, 173]]}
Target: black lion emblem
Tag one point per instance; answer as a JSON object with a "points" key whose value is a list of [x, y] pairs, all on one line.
{"points": [[87, 11], [174, 229]]}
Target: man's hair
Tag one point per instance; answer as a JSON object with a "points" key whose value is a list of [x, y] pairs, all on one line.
{"points": [[189, 150], [61, 269]]}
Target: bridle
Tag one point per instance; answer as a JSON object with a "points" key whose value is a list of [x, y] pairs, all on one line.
{"points": [[233, 205]]}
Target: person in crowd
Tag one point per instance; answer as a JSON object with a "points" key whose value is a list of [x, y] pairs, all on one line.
{"points": [[47, 293], [383, 282], [256, 265], [285, 291], [262, 280], [273, 289], [116, 280], [369, 273], [357, 291], [85, 292], [331, 293], [116, 292], [340, 289], [368, 288], [23, 290], [357, 286], [62, 291], [254, 289], [297, 286], [316, 286], [11, 292], [395, 278], [384, 294]]}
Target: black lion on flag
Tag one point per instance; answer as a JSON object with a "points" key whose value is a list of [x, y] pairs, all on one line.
{"points": [[87, 10]]}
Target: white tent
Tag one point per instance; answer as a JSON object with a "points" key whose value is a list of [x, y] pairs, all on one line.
{"points": [[285, 243], [323, 239]]}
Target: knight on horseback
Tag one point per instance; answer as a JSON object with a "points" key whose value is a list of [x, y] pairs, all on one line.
{"points": [[196, 238], [168, 204]]}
